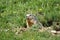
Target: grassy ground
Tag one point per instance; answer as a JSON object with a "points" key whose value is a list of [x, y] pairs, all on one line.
{"points": [[28, 35], [12, 14]]}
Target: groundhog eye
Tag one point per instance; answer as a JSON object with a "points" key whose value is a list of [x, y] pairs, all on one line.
{"points": [[30, 15]]}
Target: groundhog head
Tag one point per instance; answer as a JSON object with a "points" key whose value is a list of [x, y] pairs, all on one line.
{"points": [[30, 16]]}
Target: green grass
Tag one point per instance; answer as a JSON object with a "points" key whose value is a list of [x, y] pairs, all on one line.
{"points": [[12, 14]]}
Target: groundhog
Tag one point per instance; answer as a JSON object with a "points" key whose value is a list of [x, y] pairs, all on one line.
{"points": [[32, 20]]}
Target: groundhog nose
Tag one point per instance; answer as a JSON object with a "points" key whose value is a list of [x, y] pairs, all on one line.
{"points": [[27, 16]]}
